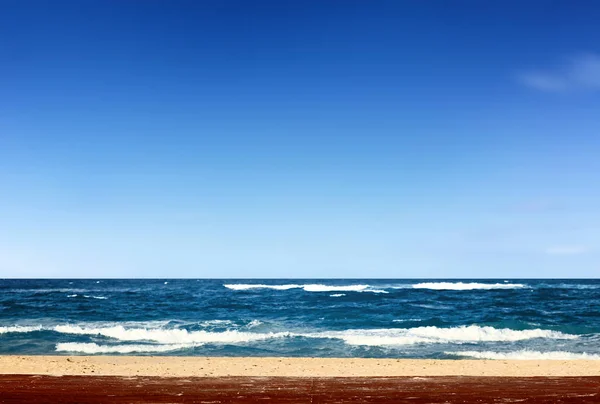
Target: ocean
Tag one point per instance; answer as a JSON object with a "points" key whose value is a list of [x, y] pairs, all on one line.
{"points": [[379, 318]]}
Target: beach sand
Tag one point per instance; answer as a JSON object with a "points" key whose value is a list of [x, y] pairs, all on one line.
{"points": [[288, 367], [103, 379]]}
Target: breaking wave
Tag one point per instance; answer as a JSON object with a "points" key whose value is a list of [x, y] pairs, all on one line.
{"points": [[380, 289], [89, 297], [525, 355], [308, 287], [20, 329], [244, 286], [466, 286], [169, 336], [433, 335], [164, 336], [92, 348]]}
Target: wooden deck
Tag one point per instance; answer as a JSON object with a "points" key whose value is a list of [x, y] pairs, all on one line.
{"points": [[113, 389]]}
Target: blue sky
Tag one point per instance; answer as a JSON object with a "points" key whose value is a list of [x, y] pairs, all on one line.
{"points": [[299, 139]]}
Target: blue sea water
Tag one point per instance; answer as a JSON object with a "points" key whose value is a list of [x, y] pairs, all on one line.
{"points": [[446, 319]]}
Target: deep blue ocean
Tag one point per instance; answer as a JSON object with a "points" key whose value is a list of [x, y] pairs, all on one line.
{"points": [[453, 319]]}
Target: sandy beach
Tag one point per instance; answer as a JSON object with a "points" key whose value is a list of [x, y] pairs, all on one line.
{"points": [[287, 367]]}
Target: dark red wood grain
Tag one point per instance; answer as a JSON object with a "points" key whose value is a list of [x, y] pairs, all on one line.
{"points": [[112, 389]]}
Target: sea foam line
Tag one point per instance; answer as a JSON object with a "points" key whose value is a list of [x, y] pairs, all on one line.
{"points": [[435, 335], [373, 337], [89, 297], [169, 336], [308, 287], [368, 337], [93, 348], [20, 329], [466, 286], [525, 355]]}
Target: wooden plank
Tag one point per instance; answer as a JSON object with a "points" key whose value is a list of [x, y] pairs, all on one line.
{"points": [[220, 390]]}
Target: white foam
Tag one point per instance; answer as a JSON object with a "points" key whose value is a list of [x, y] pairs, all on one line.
{"points": [[153, 324], [213, 323], [90, 297], [466, 286], [434, 335], [332, 288], [254, 323], [526, 355], [574, 286], [169, 336], [155, 332], [156, 325], [92, 348], [431, 306], [46, 290], [20, 329], [244, 286], [308, 287], [337, 295]]}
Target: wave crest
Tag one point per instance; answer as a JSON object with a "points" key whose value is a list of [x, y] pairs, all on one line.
{"points": [[92, 348], [367, 337], [169, 336], [20, 329], [466, 286], [525, 355], [308, 287], [434, 335]]}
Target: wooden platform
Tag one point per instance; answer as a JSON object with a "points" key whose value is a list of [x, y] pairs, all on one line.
{"points": [[456, 389]]}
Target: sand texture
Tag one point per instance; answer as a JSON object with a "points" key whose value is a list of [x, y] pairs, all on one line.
{"points": [[287, 367]]}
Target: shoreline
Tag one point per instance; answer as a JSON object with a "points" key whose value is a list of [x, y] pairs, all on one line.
{"points": [[181, 366]]}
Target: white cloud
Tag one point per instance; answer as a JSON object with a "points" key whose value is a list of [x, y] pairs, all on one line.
{"points": [[566, 250], [579, 73]]}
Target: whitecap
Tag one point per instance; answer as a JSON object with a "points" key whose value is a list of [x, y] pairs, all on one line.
{"points": [[213, 323], [244, 286], [20, 329], [168, 336], [431, 306], [92, 348], [405, 320], [526, 355], [466, 286], [90, 297], [254, 323], [308, 287], [434, 335]]}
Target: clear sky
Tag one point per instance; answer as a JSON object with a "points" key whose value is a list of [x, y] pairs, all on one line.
{"points": [[373, 138]]}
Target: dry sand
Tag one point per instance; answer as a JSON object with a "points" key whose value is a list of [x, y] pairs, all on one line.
{"points": [[287, 367]]}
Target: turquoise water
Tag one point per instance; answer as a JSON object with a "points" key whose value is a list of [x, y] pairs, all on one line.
{"points": [[504, 318]]}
